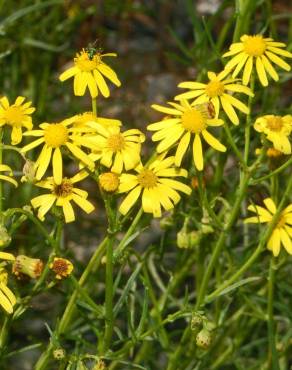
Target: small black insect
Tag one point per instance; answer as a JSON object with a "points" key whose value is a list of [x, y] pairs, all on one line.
{"points": [[92, 50]]}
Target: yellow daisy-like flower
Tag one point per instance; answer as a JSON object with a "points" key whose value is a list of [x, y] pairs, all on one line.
{"points": [[259, 51], [158, 190], [54, 136], [7, 298], [277, 129], [90, 72], [16, 115], [5, 168], [185, 121], [217, 91], [61, 267], [282, 232], [117, 149], [81, 120], [62, 195]]}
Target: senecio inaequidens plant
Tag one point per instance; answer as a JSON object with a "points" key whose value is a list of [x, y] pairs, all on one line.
{"points": [[130, 186]]}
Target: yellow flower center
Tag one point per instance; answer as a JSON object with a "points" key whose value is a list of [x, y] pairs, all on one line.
{"points": [[214, 88], [194, 120], [147, 179], [85, 63], [64, 189], [109, 181], [116, 142], [14, 115], [254, 46], [275, 123], [56, 135]]}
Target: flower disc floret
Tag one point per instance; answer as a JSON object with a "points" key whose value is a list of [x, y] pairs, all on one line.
{"points": [[147, 178], [194, 120], [64, 189], [214, 88], [116, 142], [254, 45], [56, 135]]}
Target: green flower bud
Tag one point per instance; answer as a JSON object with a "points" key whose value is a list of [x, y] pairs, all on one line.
{"points": [[196, 321], [59, 353], [100, 365], [183, 239], [5, 238], [204, 339], [31, 267]]}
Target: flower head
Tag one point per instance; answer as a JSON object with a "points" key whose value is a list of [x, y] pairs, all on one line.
{"points": [[282, 233], [61, 267], [277, 129], [81, 120], [186, 121], [117, 149], [259, 51], [219, 92], [109, 181], [7, 298], [89, 71], [54, 136], [5, 168], [61, 195], [31, 267], [158, 190], [16, 116]]}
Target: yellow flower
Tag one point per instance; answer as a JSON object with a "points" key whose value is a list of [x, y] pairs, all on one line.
{"points": [[277, 129], [7, 298], [186, 121], [90, 71], [217, 91], [259, 51], [61, 267], [17, 116], [54, 136], [5, 168], [282, 232], [81, 120], [31, 267], [62, 195], [158, 191], [109, 181], [117, 149]]}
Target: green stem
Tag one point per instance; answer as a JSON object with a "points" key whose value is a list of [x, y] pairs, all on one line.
{"points": [[4, 332], [109, 292], [270, 309], [94, 106], [70, 308], [243, 17], [271, 174]]}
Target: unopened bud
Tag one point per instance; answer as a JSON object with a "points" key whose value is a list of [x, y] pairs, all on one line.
{"points": [[196, 321], [31, 267], [100, 365], [5, 238], [109, 181], [204, 339], [28, 171], [59, 354], [183, 239]]}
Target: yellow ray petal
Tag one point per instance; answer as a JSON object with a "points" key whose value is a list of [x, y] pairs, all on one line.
{"points": [[213, 142]]}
